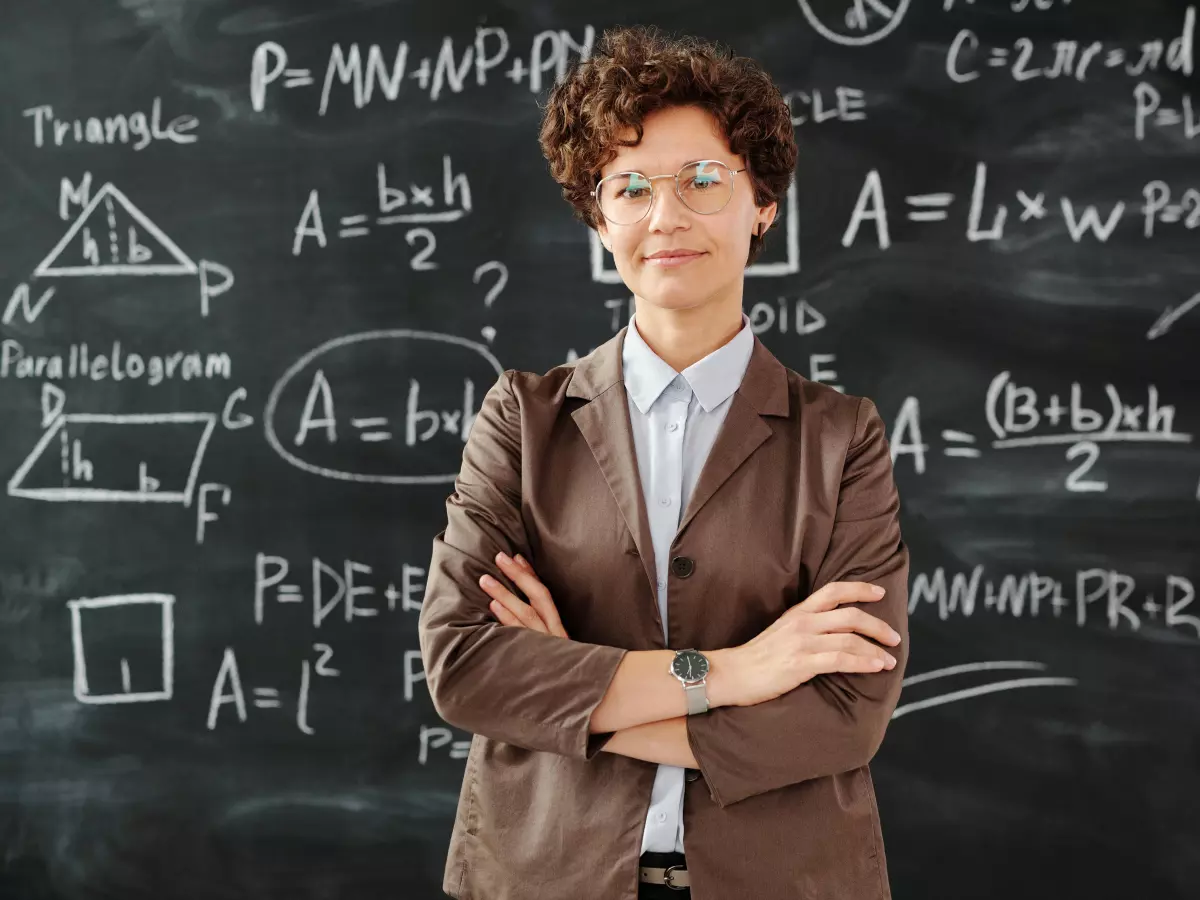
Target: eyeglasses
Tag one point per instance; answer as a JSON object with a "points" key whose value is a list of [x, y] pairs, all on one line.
{"points": [[704, 186]]}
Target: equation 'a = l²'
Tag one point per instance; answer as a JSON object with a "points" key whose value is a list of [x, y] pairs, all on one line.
{"points": [[268, 697], [951, 436], [928, 207]]}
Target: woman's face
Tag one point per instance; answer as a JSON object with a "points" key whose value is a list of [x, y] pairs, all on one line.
{"points": [[671, 137]]}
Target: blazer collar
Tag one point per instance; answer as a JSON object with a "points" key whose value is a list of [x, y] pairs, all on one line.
{"points": [[604, 422]]}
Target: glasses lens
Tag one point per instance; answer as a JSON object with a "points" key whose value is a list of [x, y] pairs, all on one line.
{"points": [[706, 186], [624, 197]]}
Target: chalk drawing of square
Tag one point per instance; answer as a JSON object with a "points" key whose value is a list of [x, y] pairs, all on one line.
{"points": [[93, 606], [179, 439], [117, 211], [790, 265]]}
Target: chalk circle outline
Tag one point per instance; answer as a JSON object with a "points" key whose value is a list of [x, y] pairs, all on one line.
{"points": [[336, 343], [850, 40]]}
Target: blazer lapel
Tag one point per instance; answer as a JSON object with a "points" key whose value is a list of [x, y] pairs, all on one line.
{"points": [[604, 423]]}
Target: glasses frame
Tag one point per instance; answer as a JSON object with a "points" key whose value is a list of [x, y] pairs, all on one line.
{"points": [[654, 194]]}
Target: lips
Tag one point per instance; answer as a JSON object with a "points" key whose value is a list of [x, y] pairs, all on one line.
{"points": [[673, 259], [668, 254]]}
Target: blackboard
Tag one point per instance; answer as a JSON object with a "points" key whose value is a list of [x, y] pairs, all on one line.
{"points": [[260, 262]]}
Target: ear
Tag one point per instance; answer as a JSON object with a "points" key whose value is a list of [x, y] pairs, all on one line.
{"points": [[766, 218], [603, 232]]}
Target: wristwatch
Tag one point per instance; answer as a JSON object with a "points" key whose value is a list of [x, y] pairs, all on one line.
{"points": [[691, 668]]}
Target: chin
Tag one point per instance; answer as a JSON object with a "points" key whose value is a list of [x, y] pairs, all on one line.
{"points": [[671, 299]]}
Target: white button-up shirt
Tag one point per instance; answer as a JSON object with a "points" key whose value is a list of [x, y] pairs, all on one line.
{"points": [[675, 418]]}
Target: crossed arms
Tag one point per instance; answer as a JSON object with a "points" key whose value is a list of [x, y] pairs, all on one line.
{"points": [[572, 702]]}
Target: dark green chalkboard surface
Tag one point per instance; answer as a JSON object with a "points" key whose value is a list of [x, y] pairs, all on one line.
{"points": [[259, 262]]}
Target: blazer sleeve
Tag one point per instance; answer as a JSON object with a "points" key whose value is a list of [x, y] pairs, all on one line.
{"points": [[506, 682], [834, 722]]}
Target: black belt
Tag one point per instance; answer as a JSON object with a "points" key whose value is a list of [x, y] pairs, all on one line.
{"points": [[664, 868]]}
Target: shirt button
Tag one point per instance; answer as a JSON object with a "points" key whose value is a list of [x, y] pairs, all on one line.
{"points": [[662, 817], [664, 501], [674, 426]]}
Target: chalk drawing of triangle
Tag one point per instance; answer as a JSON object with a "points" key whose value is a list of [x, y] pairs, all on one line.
{"points": [[105, 243]]}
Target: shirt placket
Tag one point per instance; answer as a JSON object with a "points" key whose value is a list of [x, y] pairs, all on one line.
{"points": [[670, 421]]}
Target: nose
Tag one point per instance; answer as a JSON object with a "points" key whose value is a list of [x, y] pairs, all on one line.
{"points": [[667, 212]]}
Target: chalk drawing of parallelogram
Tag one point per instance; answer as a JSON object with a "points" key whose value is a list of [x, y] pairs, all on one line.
{"points": [[123, 605], [99, 457], [103, 242]]}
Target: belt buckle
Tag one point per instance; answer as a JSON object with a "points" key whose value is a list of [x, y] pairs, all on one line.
{"points": [[667, 878]]}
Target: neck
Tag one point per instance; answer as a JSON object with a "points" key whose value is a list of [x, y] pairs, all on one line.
{"points": [[682, 337]]}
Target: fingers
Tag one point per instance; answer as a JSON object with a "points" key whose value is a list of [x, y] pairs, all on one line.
{"points": [[824, 663], [539, 613], [838, 592], [509, 608], [826, 599], [500, 611], [850, 653], [539, 597], [838, 620]]}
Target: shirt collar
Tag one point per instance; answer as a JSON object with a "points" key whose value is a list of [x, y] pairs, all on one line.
{"points": [[712, 378]]}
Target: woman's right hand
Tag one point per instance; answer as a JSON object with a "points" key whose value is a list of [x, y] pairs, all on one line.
{"points": [[811, 638]]}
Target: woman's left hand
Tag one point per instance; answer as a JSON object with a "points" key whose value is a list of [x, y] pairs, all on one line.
{"points": [[539, 613]]}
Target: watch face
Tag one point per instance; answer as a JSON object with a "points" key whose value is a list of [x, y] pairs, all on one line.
{"points": [[690, 665]]}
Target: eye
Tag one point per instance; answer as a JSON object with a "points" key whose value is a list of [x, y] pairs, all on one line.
{"points": [[637, 186]]}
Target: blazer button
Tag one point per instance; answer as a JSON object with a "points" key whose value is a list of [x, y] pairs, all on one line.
{"points": [[692, 774], [683, 566]]}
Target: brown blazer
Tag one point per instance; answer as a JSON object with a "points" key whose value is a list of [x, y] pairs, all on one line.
{"points": [[796, 492]]}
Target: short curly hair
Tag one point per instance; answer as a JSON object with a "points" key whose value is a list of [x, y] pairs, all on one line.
{"points": [[635, 70]]}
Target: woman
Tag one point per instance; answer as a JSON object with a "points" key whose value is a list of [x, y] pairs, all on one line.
{"points": [[676, 489]]}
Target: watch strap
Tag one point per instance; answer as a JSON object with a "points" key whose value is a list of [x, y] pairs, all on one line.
{"points": [[697, 698]]}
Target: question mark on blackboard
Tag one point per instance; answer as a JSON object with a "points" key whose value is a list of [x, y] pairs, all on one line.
{"points": [[493, 266]]}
